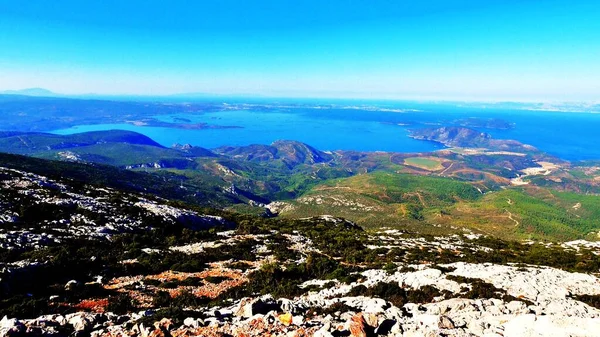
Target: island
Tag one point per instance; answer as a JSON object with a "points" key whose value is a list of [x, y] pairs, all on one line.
{"points": [[469, 138]]}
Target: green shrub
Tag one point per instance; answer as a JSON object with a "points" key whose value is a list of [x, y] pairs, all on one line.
{"points": [[398, 296], [591, 300], [330, 310], [215, 279], [121, 304]]}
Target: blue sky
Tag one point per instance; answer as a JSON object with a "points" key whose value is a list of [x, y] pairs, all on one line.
{"points": [[479, 50]]}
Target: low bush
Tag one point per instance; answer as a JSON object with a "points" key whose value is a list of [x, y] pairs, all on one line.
{"points": [[395, 294], [591, 300], [121, 304]]}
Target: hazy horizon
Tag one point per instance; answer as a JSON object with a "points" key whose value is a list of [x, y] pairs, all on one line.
{"points": [[331, 98]]}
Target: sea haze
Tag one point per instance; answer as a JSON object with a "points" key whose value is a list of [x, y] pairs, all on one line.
{"points": [[385, 127]]}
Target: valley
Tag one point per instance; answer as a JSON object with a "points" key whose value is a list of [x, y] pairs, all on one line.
{"points": [[441, 191], [90, 260], [111, 233]]}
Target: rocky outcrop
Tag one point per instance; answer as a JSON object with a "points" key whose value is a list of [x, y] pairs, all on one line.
{"points": [[469, 138], [50, 211], [546, 309]]}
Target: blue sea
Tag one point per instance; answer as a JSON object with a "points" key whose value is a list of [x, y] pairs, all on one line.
{"points": [[385, 127]]}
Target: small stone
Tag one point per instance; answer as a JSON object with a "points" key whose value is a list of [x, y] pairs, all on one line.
{"points": [[244, 309], [286, 319], [270, 317], [323, 332], [298, 320], [61, 320], [371, 319], [71, 285], [397, 330], [157, 333], [165, 324], [192, 322], [97, 333], [357, 326], [80, 323], [286, 305], [144, 331], [445, 323]]}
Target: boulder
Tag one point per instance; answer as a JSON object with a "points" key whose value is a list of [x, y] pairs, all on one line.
{"points": [[250, 307], [386, 326], [358, 326], [287, 305], [11, 327], [72, 285], [445, 323], [81, 321], [193, 322]]}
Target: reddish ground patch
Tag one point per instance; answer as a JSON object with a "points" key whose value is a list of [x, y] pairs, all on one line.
{"points": [[233, 278], [92, 305]]}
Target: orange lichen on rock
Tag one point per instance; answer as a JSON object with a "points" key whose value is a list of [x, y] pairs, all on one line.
{"points": [[212, 290], [357, 326], [232, 278], [98, 305], [120, 282]]}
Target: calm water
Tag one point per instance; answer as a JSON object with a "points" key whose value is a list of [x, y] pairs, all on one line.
{"points": [[572, 136]]}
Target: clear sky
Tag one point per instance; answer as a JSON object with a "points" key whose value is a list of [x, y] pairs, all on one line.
{"points": [[448, 49]]}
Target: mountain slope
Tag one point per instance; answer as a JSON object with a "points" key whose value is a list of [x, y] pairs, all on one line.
{"points": [[290, 153], [28, 143], [165, 185]]}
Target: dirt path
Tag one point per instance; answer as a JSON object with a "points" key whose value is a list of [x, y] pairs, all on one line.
{"points": [[336, 187], [403, 209], [23, 141], [447, 168], [421, 199], [510, 216]]}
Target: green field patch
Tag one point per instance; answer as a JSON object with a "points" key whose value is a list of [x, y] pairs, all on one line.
{"points": [[425, 163]]}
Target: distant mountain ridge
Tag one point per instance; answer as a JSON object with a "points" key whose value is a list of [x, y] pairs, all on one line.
{"points": [[41, 92]]}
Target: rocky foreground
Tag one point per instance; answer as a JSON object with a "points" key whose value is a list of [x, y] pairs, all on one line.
{"points": [[113, 264], [456, 299], [543, 307]]}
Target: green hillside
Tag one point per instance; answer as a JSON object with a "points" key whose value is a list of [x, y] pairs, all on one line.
{"points": [[121, 154], [529, 213], [383, 199], [440, 205], [29, 143], [163, 184]]}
